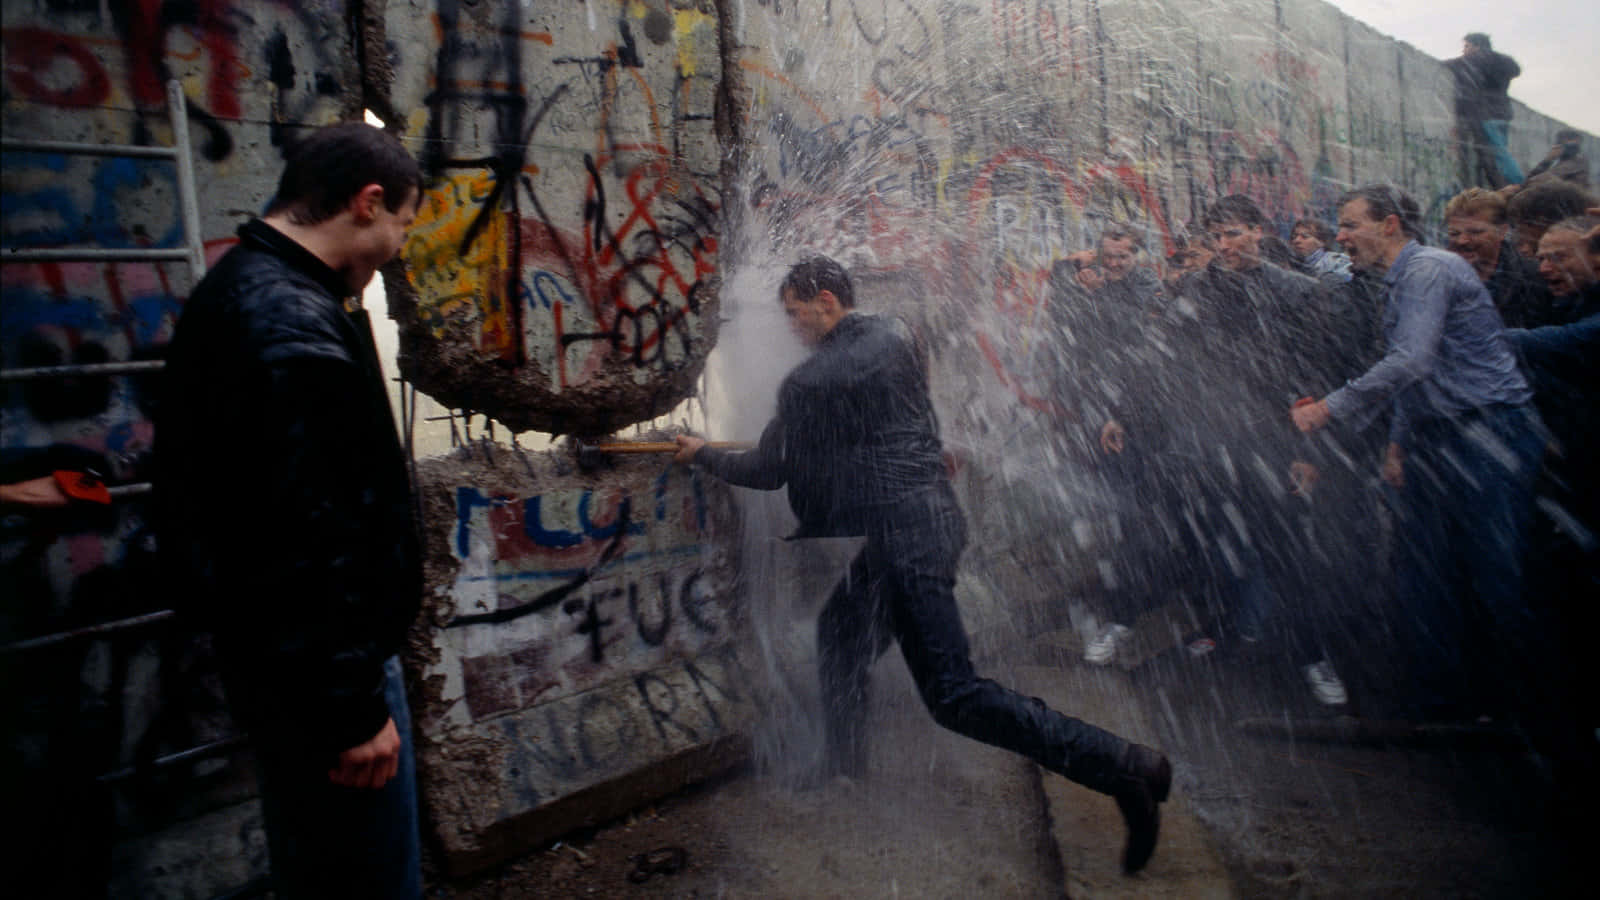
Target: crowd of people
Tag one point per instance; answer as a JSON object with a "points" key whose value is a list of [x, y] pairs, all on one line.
{"points": [[1350, 445]]}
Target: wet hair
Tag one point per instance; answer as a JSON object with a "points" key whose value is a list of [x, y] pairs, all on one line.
{"points": [[813, 275], [1547, 202], [1383, 201], [1233, 209], [1478, 202], [1580, 225], [1479, 39], [1318, 229], [325, 169], [1118, 232]]}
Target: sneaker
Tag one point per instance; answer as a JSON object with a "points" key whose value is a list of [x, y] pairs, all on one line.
{"points": [[1201, 646], [1326, 685], [1102, 649]]}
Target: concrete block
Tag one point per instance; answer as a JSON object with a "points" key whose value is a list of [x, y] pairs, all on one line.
{"points": [[563, 268], [580, 653]]}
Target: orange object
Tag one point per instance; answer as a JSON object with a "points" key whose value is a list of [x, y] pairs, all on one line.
{"points": [[1304, 401], [82, 486]]}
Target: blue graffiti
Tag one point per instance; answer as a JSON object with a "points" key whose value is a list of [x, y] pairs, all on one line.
{"points": [[28, 309], [54, 216], [548, 288]]}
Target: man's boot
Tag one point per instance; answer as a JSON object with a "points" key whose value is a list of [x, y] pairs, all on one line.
{"points": [[1140, 786]]}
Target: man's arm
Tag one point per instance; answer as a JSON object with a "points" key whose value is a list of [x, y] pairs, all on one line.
{"points": [[320, 626], [1420, 301], [760, 468]]}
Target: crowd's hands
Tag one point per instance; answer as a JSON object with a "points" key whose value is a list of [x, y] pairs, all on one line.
{"points": [[369, 764], [1309, 415], [1394, 466], [1113, 439], [1303, 478], [688, 446]]}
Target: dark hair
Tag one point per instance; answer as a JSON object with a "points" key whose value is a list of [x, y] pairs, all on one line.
{"points": [[813, 275], [1120, 232], [323, 170], [1547, 202], [1318, 229], [1479, 39], [1383, 201], [1568, 134], [1234, 208]]}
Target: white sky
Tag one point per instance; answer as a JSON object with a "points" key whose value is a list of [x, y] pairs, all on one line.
{"points": [[1557, 43]]}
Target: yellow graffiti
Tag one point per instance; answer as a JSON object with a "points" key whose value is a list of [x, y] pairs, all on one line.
{"points": [[453, 280], [687, 22]]}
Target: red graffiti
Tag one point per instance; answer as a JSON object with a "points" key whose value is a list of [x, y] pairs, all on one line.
{"points": [[39, 64]]}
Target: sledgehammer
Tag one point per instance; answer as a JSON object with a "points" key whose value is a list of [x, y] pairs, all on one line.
{"points": [[590, 456], [655, 446]]}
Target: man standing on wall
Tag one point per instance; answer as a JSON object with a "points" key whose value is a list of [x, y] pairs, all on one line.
{"points": [[857, 444], [286, 514], [1483, 111], [1463, 454]]}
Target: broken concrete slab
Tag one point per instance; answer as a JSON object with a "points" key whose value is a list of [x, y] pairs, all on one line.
{"points": [[580, 648]]}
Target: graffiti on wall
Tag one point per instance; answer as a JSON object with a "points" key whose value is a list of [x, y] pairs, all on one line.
{"points": [[584, 234], [567, 589]]}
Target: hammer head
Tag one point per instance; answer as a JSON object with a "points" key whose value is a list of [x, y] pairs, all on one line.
{"points": [[589, 458]]}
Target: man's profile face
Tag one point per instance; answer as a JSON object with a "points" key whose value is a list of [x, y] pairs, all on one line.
{"points": [[1116, 257], [1563, 263], [1477, 240], [382, 237], [1238, 245], [808, 319], [1362, 236]]}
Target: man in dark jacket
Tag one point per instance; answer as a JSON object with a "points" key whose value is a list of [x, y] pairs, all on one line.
{"points": [[286, 515], [1242, 332], [857, 445], [1483, 111]]}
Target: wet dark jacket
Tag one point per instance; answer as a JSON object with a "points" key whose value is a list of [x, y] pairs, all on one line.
{"points": [[1521, 296], [1108, 347], [855, 432], [1481, 83], [1562, 361], [1247, 345], [284, 503]]}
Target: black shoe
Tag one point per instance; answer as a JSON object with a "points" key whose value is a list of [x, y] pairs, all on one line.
{"points": [[1146, 780]]}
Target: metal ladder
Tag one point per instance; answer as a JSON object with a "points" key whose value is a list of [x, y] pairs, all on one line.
{"points": [[189, 208]]}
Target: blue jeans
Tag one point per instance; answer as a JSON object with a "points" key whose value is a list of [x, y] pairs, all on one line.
{"points": [[1462, 525], [1494, 130], [333, 841]]}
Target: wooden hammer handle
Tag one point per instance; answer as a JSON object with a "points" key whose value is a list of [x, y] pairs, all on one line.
{"points": [[660, 446]]}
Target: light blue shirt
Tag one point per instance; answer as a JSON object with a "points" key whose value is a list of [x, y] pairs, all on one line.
{"points": [[1447, 349]]}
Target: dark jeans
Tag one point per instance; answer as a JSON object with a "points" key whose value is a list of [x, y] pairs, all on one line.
{"points": [[333, 841], [1462, 519], [901, 587]]}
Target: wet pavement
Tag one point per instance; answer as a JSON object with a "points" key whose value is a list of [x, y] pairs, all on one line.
{"points": [[1274, 796]]}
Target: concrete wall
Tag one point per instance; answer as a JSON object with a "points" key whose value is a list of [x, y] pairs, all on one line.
{"points": [[580, 647], [600, 168]]}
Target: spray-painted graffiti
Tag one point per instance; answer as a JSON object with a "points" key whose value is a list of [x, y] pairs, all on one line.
{"points": [[571, 588], [577, 281], [578, 739]]}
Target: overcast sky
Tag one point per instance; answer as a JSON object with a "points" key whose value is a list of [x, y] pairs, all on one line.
{"points": [[1557, 43]]}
